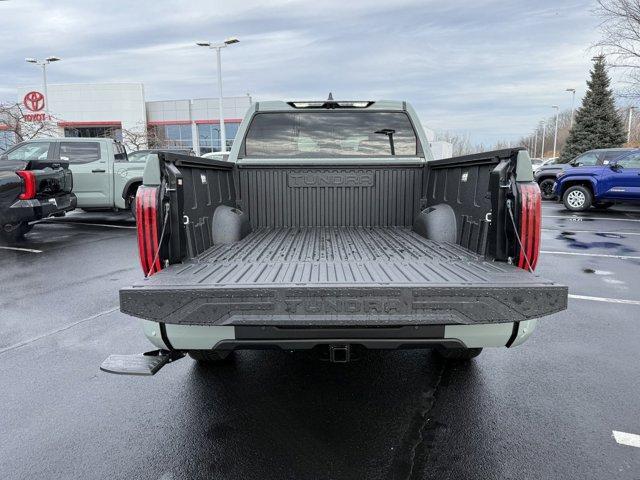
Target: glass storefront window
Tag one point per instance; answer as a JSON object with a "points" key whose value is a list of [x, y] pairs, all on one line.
{"points": [[209, 136], [94, 132], [172, 136]]}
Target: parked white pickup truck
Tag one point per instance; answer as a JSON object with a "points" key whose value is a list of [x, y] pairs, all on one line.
{"points": [[103, 176]]}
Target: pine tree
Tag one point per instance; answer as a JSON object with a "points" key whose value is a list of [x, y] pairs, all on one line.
{"points": [[597, 124]]}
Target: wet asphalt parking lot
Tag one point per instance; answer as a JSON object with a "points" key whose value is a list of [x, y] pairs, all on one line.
{"points": [[546, 409]]}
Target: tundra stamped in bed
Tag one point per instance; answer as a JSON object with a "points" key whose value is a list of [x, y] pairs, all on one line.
{"points": [[330, 226]]}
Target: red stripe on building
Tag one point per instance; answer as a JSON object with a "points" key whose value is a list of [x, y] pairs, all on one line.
{"points": [[216, 122], [170, 122], [90, 124]]}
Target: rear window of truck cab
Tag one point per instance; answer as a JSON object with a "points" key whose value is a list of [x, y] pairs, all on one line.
{"points": [[330, 134]]}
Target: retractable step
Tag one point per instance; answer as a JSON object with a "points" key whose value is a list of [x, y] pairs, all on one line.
{"points": [[145, 364]]}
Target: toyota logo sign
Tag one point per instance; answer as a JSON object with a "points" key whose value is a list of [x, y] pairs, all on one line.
{"points": [[34, 101]]}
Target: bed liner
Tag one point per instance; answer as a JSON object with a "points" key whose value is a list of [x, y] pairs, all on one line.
{"points": [[341, 276]]}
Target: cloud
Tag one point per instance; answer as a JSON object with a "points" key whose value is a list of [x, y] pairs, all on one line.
{"points": [[485, 67]]}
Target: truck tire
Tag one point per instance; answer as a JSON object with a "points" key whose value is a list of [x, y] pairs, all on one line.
{"points": [[132, 205], [12, 233], [457, 353], [546, 188], [577, 198], [208, 357]]}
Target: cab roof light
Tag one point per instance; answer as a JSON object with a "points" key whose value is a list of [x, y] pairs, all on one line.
{"points": [[332, 104]]}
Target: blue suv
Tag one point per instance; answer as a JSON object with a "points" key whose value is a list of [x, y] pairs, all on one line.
{"points": [[614, 181]]}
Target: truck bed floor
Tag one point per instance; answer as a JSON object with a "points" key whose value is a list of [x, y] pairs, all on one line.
{"points": [[388, 275]]}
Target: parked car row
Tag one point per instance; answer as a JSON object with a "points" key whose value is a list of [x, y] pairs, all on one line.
{"points": [[597, 178], [40, 178], [47, 177]]}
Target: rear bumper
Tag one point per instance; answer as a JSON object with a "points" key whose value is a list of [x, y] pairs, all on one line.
{"points": [[36, 209], [183, 337]]}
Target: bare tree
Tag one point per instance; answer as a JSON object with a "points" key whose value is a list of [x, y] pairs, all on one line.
{"points": [[139, 137], [461, 143], [13, 116], [564, 125], [620, 40]]}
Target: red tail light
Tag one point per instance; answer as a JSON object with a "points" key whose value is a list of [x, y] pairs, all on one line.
{"points": [[530, 225], [28, 184], [147, 224]]}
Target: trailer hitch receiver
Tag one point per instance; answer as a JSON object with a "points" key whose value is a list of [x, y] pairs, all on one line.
{"points": [[339, 353]]}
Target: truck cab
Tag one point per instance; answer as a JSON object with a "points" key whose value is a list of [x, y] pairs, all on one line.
{"points": [[601, 185]]}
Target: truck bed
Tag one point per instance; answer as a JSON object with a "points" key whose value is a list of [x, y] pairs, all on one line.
{"points": [[341, 276]]}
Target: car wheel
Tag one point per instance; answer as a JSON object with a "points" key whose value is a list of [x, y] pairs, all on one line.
{"points": [[546, 189], [208, 357], [577, 198], [132, 205], [12, 233], [457, 353]]}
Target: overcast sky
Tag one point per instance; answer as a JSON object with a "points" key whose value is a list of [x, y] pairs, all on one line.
{"points": [[489, 68]]}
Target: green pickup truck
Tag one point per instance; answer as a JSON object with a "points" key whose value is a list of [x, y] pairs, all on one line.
{"points": [[103, 176], [331, 227]]}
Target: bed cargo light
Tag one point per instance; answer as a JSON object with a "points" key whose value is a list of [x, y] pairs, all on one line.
{"points": [[530, 225], [28, 184], [147, 227]]}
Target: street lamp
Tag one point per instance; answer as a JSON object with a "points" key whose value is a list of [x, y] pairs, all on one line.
{"points": [[544, 134], [44, 64], [555, 135], [573, 102], [535, 144], [629, 126], [217, 47]]}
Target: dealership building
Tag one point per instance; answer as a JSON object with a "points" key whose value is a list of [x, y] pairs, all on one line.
{"points": [[121, 111]]}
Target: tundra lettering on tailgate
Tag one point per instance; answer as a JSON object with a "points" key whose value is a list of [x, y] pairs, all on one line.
{"points": [[330, 179]]}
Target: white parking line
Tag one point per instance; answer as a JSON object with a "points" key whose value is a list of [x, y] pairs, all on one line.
{"points": [[19, 249], [629, 439], [58, 330], [581, 254], [576, 218], [90, 224], [604, 299], [589, 231]]}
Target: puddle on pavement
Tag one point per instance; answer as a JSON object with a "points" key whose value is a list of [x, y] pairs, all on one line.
{"points": [[597, 272], [572, 242]]}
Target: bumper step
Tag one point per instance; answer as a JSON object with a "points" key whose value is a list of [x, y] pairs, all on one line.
{"points": [[145, 364]]}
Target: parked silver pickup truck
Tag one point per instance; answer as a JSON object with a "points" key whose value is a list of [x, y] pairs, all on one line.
{"points": [[103, 176], [331, 227]]}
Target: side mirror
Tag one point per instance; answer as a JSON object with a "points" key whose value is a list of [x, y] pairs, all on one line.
{"points": [[4, 158], [615, 167]]}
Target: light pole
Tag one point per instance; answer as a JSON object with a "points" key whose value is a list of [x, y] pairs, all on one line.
{"points": [[217, 47], [629, 126], [555, 135], [535, 144], [544, 137], [573, 102], [44, 64]]}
